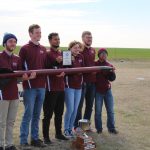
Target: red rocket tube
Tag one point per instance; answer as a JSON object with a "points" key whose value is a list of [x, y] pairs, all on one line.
{"points": [[17, 74]]}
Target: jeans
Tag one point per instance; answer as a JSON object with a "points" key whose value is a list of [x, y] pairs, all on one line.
{"points": [[53, 103], [88, 93], [72, 100], [33, 101], [109, 104]]}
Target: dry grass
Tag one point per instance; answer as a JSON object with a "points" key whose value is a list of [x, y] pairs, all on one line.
{"points": [[132, 109]]}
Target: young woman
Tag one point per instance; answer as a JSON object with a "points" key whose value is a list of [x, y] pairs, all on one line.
{"points": [[73, 88]]}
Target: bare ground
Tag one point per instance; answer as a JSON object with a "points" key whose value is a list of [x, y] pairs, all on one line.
{"points": [[131, 91]]}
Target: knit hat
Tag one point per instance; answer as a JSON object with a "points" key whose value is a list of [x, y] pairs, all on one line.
{"points": [[8, 36], [101, 50]]}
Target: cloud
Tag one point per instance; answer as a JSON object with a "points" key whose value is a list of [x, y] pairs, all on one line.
{"points": [[59, 2], [40, 8], [70, 18], [14, 5]]}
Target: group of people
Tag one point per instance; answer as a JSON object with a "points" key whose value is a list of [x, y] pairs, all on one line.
{"points": [[51, 92]]}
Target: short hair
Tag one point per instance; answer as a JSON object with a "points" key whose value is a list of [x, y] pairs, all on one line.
{"points": [[50, 36], [32, 27], [86, 33], [73, 43]]}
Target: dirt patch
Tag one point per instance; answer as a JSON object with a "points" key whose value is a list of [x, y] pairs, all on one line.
{"points": [[132, 109]]}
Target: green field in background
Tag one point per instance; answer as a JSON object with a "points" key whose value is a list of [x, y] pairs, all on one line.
{"points": [[119, 53]]}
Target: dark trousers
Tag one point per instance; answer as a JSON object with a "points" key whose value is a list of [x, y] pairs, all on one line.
{"points": [[88, 93], [54, 102]]}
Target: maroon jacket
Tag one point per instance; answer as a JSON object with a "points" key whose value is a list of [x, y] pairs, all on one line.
{"points": [[54, 83], [10, 91], [102, 82], [33, 57], [75, 81], [89, 60]]}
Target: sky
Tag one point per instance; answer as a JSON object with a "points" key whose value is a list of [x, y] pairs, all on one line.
{"points": [[113, 23]]}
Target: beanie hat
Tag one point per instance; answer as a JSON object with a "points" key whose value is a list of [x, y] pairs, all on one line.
{"points": [[101, 50], [8, 36]]}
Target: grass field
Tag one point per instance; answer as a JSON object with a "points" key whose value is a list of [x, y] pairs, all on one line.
{"points": [[119, 53], [132, 105]]}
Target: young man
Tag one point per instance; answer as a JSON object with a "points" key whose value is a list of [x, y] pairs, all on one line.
{"points": [[88, 88], [33, 56], [9, 99], [54, 98], [103, 93]]}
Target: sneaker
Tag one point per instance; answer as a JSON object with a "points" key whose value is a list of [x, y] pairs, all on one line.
{"points": [[47, 141], [25, 146], [71, 133], [113, 131], [99, 131], [1, 148], [38, 143], [61, 137], [11, 148], [67, 134]]}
